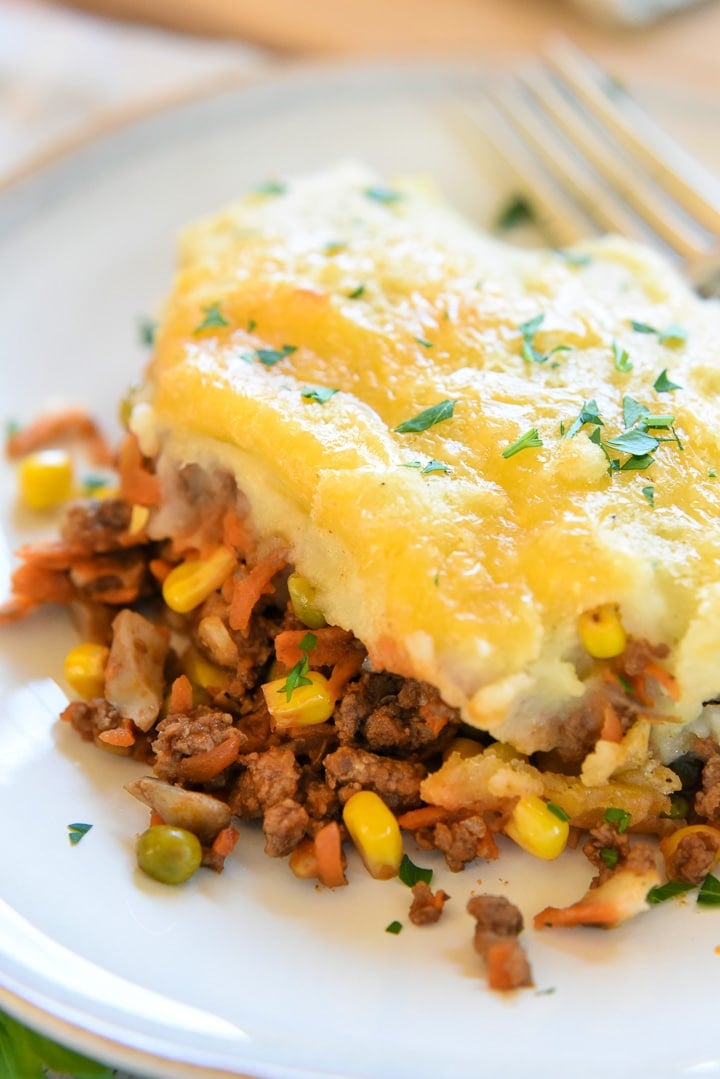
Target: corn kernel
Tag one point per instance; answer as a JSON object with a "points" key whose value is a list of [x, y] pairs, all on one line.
{"points": [[601, 631], [463, 748], [202, 673], [190, 583], [308, 704], [138, 519], [302, 597], [45, 479], [375, 833], [505, 752], [537, 829], [85, 669]]}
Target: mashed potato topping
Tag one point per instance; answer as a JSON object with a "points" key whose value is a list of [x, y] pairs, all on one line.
{"points": [[463, 446]]}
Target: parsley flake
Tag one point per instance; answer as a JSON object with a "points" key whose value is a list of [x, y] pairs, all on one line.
{"points": [[356, 293], [424, 343], [635, 442], [320, 394], [649, 495], [620, 817], [662, 892], [589, 413], [214, 318], [576, 258], [558, 811], [633, 411], [76, 832], [411, 874], [674, 333], [298, 676], [443, 410], [712, 474], [385, 195], [610, 856], [637, 464], [642, 327], [516, 211], [435, 466], [394, 928], [271, 187], [146, 331], [530, 440], [270, 356], [709, 894], [663, 384], [621, 358], [528, 330]]}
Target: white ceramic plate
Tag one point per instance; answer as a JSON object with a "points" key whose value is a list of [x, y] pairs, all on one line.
{"points": [[254, 972]]}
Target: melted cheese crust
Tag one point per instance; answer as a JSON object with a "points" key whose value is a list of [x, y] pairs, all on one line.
{"points": [[471, 579]]}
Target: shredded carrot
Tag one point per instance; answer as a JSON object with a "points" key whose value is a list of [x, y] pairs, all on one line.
{"points": [[225, 841], [181, 695], [640, 690], [611, 730], [155, 818], [136, 483], [50, 554], [237, 533], [667, 681], [331, 646], [435, 717], [345, 669], [329, 856], [425, 817], [248, 590], [15, 609], [117, 736], [585, 912], [39, 585], [202, 767], [159, 568], [54, 426]]}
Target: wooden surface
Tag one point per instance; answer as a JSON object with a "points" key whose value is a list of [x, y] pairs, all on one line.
{"points": [[681, 48]]}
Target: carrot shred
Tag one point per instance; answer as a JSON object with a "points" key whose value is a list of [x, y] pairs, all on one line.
{"points": [[611, 730], [247, 590], [155, 818], [331, 646], [345, 669], [202, 767], [667, 681], [117, 736], [39, 585], [181, 695], [584, 912], [434, 717], [225, 841], [425, 817], [136, 483], [53, 426], [237, 533], [159, 568], [329, 856]]}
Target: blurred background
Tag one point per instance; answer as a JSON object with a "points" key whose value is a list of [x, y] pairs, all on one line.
{"points": [[67, 70]]}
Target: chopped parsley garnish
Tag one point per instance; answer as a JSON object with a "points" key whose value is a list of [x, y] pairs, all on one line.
{"points": [[411, 874], [529, 352], [649, 495], [636, 464], [620, 817], [663, 384], [146, 331], [385, 195], [320, 394], [271, 187], [516, 211], [633, 411], [709, 894], [270, 356], [424, 343], [576, 258], [635, 442], [356, 293], [662, 892], [431, 466], [621, 358], [558, 811], [93, 483], [589, 413], [298, 676], [670, 333], [712, 474], [252, 325], [214, 318], [530, 440], [443, 410], [76, 831], [394, 928], [610, 856], [642, 327]]}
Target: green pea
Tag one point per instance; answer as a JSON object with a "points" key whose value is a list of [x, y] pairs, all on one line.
{"points": [[170, 855]]}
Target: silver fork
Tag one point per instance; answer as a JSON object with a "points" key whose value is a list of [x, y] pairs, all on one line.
{"points": [[590, 160]]}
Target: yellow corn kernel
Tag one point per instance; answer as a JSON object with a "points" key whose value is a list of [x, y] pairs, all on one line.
{"points": [[537, 829], [375, 833], [85, 669], [138, 519], [191, 582], [505, 752], [202, 672], [601, 631], [45, 479], [308, 704], [302, 597], [463, 748]]}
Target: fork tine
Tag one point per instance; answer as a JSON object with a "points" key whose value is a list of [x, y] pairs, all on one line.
{"points": [[691, 185], [677, 231]]}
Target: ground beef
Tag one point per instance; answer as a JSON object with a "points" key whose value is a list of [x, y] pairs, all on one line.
{"points": [[426, 906], [461, 841], [638, 654], [285, 825], [119, 577], [392, 714], [609, 850], [182, 735], [707, 801], [319, 800], [91, 717], [397, 782], [498, 923], [267, 778], [97, 525], [694, 857]]}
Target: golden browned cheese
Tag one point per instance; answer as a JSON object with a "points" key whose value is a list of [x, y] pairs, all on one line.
{"points": [[453, 560]]}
